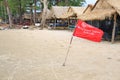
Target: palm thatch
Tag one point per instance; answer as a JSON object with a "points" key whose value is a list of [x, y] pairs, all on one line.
{"points": [[100, 14], [73, 11], [115, 4], [58, 11], [102, 4], [88, 9], [76, 10], [67, 15], [101, 10]]}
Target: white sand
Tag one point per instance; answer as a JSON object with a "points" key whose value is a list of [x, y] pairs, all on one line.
{"points": [[39, 55]]}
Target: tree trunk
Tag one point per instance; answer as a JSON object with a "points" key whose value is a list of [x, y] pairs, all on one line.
{"points": [[34, 11], [43, 21], [66, 2], [9, 14], [31, 11], [20, 10], [5, 12]]}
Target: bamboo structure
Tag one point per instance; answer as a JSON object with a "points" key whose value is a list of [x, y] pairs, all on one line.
{"points": [[114, 27], [101, 10]]}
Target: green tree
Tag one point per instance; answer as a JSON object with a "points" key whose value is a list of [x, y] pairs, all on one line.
{"points": [[49, 3], [71, 2], [18, 7], [66, 2], [45, 7], [8, 12]]}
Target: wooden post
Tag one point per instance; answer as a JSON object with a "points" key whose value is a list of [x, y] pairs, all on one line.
{"points": [[9, 13], [68, 22], [35, 11], [55, 23], [91, 22], [68, 51], [113, 31]]}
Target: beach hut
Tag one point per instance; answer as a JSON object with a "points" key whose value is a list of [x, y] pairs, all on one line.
{"points": [[88, 9], [57, 20], [100, 11], [104, 9], [71, 15], [73, 12], [58, 11], [29, 17]]}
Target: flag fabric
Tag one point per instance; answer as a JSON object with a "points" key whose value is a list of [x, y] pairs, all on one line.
{"points": [[86, 31]]}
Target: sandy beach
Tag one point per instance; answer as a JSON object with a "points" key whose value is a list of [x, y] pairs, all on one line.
{"points": [[39, 54]]}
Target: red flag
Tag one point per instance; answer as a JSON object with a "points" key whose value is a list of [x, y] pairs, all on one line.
{"points": [[86, 31]]}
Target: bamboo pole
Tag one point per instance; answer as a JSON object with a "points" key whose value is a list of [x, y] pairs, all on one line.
{"points": [[68, 22], [64, 63], [113, 31], [55, 23]]}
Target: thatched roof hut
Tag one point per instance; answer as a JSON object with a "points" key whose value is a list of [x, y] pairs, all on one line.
{"points": [[115, 4], [76, 10], [58, 11], [61, 12], [101, 10], [100, 14], [88, 8], [73, 11]]}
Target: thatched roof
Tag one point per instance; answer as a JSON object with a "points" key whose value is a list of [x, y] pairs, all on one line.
{"points": [[88, 8], [27, 16], [115, 4], [102, 4], [99, 14], [73, 11], [58, 11], [76, 10], [101, 10]]}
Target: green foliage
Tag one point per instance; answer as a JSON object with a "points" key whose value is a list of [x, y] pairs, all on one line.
{"points": [[15, 5], [1, 9], [71, 3], [20, 6], [66, 3]]}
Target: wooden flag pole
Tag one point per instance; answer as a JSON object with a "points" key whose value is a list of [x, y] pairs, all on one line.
{"points": [[68, 51], [113, 32]]}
